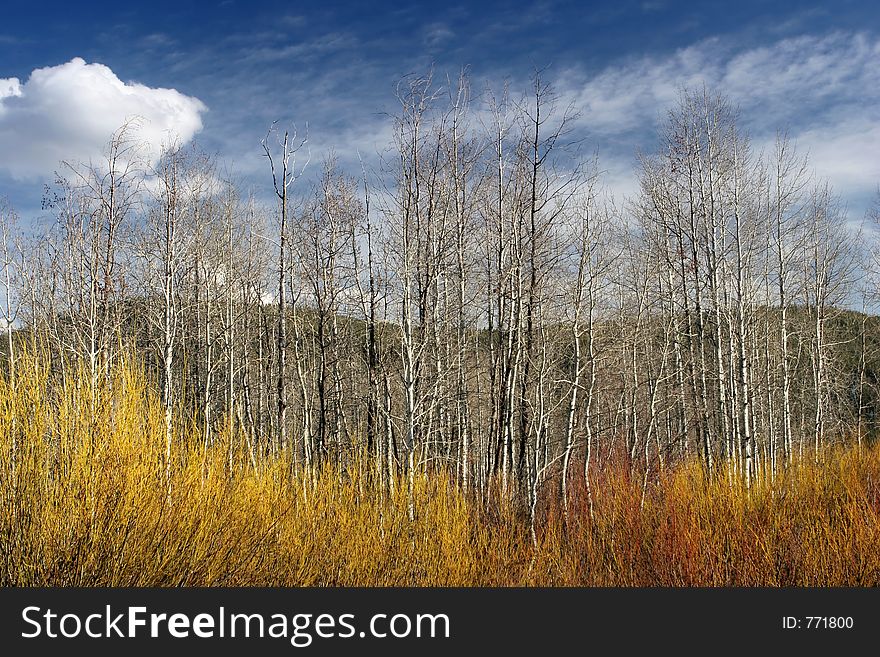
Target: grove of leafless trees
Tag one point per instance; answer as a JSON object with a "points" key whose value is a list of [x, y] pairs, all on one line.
{"points": [[476, 303]]}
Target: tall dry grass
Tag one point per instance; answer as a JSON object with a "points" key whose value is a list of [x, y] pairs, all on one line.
{"points": [[87, 501]]}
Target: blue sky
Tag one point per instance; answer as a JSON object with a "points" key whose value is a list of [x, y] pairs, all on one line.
{"points": [[222, 72]]}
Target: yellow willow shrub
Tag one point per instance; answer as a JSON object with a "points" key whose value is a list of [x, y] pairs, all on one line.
{"points": [[93, 503], [89, 499], [24, 464]]}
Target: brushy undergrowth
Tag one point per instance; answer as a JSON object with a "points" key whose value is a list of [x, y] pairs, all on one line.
{"points": [[87, 500]]}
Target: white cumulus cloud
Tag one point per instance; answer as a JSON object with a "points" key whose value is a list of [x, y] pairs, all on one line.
{"points": [[69, 112]]}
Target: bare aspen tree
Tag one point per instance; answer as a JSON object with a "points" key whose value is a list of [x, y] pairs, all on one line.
{"points": [[12, 269], [13, 255], [413, 203], [788, 181], [362, 237], [827, 264], [328, 271], [94, 208], [463, 152], [283, 166], [252, 297], [593, 257], [166, 230], [499, 273]]}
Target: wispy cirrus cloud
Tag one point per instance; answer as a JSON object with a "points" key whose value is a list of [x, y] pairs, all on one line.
{"points": [[824, 90], [437, 34], [301, 52]]}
